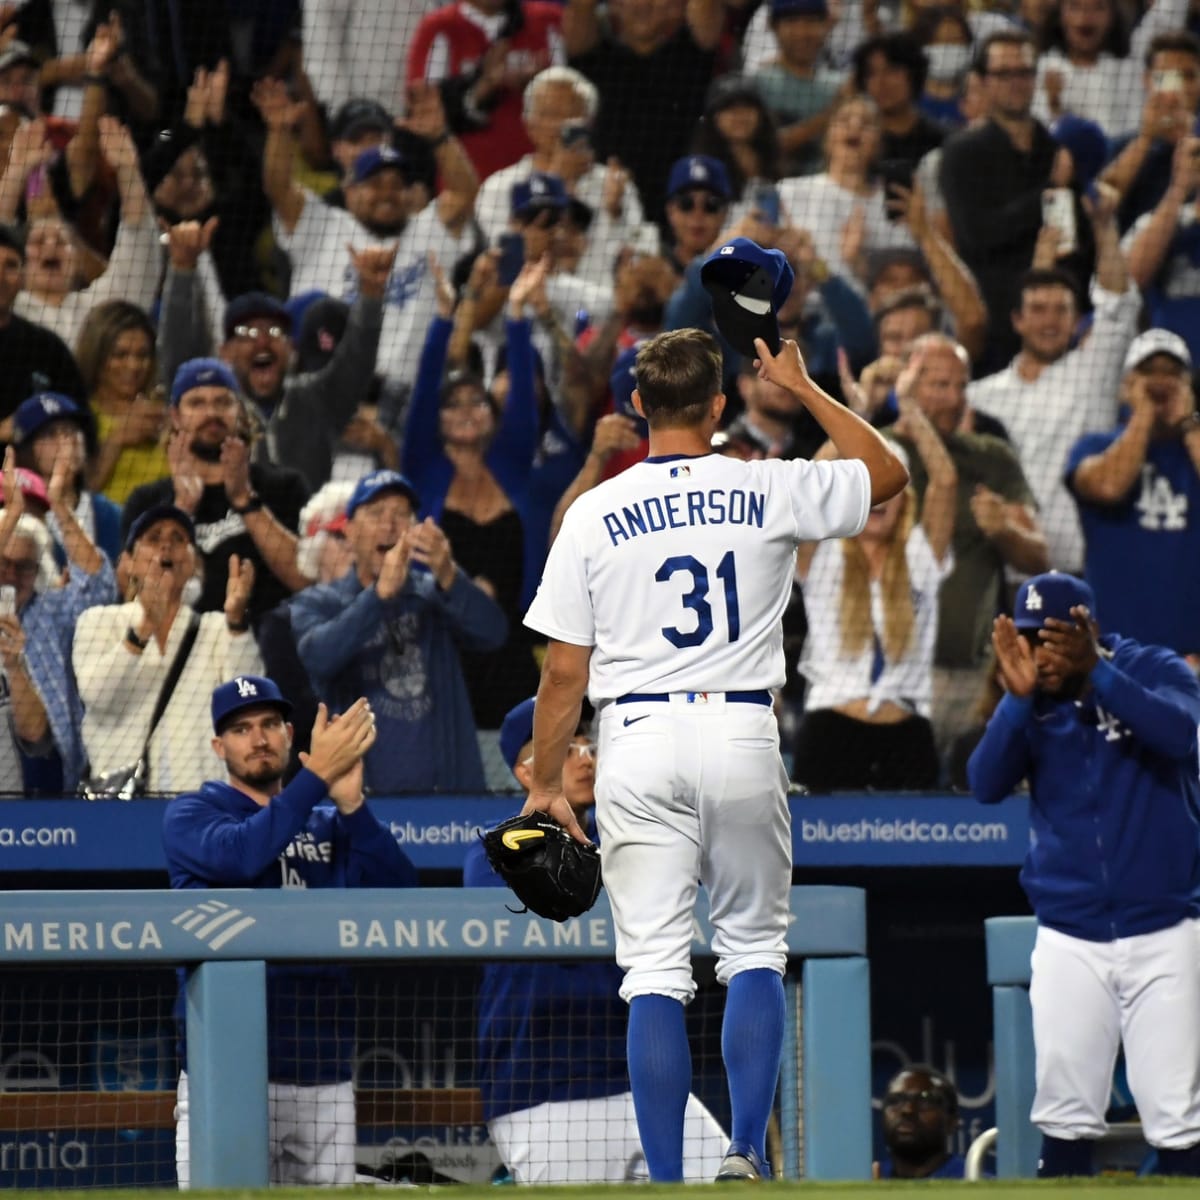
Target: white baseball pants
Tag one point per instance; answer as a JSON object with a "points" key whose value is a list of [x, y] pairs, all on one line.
{"points": [[1090, 997], [596, 1141], [689, 793], [311, 1130]]}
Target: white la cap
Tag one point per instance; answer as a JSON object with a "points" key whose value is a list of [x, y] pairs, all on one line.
{"points": [[1156, 341]]}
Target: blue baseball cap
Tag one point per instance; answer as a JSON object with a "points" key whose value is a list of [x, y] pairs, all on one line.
{"points": [[378, 158], [537, 192], [152, 516], [622, 381], [1051, 595], [748, 286], [376, 484], [516, 730], [203, 372], [699, 171], [799, 8], [255, 304], [246, 691], [38, 411]]}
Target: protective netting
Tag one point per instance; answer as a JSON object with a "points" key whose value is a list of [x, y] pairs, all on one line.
{"points": [[420, 1073], [372, 212]]}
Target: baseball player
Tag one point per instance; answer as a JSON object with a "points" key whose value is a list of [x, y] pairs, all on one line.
{"points": [[551, 1058], [254, 832], [662, 599], [1104, 729]]}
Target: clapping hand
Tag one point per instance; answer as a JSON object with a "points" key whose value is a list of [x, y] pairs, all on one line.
{"points": [[185, 475], [339, 744], [429, 546], [1014, 657]]}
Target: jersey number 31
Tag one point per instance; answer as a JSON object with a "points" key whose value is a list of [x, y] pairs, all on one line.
{"points": [[697, 598]]}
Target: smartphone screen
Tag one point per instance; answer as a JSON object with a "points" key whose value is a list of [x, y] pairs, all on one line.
{"points": [[766, 201], [512, 258]]}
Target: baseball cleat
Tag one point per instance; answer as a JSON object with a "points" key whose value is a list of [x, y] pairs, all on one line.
{"points": [[742, 1162]]}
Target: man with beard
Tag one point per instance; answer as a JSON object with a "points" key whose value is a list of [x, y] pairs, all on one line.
{"points": [[244, 508], [1138, 491], [124, 654], [381, 207], [254, 832], [1104, 731], [920, 1116], [303, 414]]}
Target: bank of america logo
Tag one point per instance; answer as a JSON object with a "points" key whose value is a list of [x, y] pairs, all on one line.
{"points": [[214, 922]]}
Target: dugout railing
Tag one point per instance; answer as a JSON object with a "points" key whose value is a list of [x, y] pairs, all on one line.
{"points": [[825, 1101]]}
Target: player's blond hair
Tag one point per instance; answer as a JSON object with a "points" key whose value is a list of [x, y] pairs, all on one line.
{"points": [[678, 373], [855, 609]]}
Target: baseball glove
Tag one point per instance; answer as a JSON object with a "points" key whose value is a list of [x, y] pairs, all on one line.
{"points": [[546, 868]]}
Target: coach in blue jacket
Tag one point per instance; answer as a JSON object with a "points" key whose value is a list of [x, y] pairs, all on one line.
{"points": [[254, 832], [1104, 729]]}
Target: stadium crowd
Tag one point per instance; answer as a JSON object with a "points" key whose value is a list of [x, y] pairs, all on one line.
{"points": [[315, 318]]}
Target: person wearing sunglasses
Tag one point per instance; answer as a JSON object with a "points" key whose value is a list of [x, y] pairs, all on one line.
{"points": [[550, 1039], [920, 1116], [698, 197]]}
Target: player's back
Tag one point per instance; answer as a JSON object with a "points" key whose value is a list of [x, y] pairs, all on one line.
{"points": [[679, 569]]}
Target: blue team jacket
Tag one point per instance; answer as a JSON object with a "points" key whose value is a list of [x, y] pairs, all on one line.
{"points": [[546, 1031], [219, 837], [1114, 794]]}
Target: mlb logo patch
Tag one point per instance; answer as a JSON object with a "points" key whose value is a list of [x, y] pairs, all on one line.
{"points": [[680, 472], [697, 697]]}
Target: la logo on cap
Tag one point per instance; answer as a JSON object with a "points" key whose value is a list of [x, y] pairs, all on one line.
{"points": [[1033, 600], [245, 687], [50, 405], [697, 169]]}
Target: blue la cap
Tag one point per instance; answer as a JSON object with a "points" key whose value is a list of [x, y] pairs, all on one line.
{"points": [[799, 8], [1051, 595], [699, 171], [538, 191], [748, 286], [255, 304], [246, 691], [515, 730], [38, 411], [378, 158], [622, 381], [152, 516], [202, 372], [376, 484]]}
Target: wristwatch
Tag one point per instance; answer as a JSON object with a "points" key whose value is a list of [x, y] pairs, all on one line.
{"points": [[1189, 424], [254, 504], [132, 638]]}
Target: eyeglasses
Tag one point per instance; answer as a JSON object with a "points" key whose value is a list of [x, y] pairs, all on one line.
{"points": [[23, 568], [582, 749], [1007, 74], [689, 201], [253, 332], [923, 1102], [460, 405]]}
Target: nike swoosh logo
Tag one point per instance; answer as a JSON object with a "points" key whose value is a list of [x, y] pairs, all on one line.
{"points": [[514, 837], [635, 720]]}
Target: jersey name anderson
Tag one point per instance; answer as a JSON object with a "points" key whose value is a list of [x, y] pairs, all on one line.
{"points": [[678, 570], [677, 510]]}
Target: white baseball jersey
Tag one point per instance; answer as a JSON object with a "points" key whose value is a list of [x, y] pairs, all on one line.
{"points": [[679, 569]]}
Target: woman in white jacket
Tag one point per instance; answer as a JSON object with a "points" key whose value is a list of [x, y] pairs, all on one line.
{"points": [[123, 653]]}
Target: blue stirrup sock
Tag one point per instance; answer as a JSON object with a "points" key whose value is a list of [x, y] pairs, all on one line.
{"points": [[752, 1046], [660, 1075], [1062, 1158]]}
